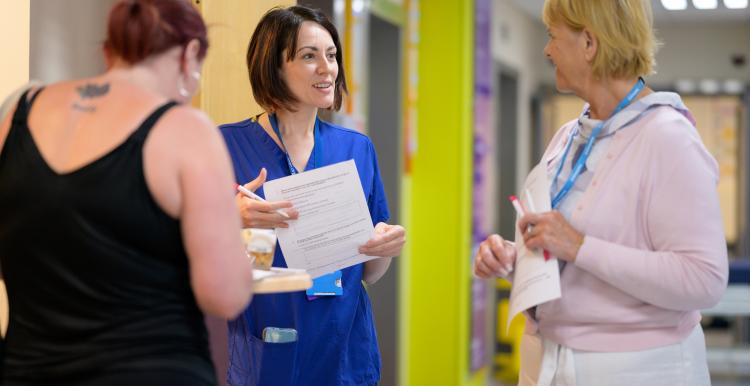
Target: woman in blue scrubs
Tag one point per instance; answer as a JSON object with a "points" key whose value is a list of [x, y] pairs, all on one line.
{"points": [[293, 62]]}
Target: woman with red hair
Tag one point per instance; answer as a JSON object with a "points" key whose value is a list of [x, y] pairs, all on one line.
{"points": [[118, 223]]}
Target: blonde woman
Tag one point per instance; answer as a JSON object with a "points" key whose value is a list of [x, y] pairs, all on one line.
{"points": [[635, 223]]}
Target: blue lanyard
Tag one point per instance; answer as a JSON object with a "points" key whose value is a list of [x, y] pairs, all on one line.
{"points": [[329, 284], [317, 145], [578, 167]]}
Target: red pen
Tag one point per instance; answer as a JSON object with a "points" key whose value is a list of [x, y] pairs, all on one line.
{"points": [[521, 212]]}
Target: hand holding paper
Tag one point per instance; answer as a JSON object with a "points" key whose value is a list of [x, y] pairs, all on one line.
{"points": [[536, 280], [388, 241], [552, 232], [259, 213]]}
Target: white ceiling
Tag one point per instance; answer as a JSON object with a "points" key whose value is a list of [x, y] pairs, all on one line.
{"points": [[663, 16]]}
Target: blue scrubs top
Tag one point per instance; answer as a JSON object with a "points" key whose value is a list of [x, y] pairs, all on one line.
{"points": [[336, 341]]}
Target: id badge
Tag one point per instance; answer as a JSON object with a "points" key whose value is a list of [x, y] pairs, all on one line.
{"points": [[326, 285]]}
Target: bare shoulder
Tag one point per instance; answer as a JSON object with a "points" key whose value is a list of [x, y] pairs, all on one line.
{"points": [[182, 155], [189, 134], [188, 115], [186, 124]]}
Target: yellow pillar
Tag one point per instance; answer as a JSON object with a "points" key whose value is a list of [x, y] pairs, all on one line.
{"points": [[438, 274]]}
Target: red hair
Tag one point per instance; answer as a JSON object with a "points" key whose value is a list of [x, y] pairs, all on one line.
{"points": [[138, 29]]}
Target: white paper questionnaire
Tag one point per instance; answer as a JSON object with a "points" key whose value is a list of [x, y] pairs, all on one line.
{"points": [[535, 280], [333, 218]]}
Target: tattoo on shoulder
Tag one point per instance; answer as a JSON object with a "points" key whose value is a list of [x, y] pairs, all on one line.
{"points": [[90, 90], [85, 109]]}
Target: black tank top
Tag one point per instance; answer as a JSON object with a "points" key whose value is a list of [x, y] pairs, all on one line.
{"points": [[96, 272]]}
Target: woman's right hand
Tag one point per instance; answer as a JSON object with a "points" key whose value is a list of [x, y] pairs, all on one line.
{"points": [[262, 214], [494, 258]]}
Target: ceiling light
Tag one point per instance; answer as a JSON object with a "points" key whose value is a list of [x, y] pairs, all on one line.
{"points": [[685, 86], [734, 86], [709, 86], [705, 4], [735, 4], [674, 5]]}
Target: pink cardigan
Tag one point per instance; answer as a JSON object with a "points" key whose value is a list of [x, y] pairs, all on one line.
{"points": [[654, 252]]}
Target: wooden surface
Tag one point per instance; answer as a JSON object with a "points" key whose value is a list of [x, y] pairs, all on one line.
{"points": [[286, 282]]}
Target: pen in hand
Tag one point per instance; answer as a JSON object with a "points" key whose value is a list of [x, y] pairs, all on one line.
{"points": [[250, 194], [519, 210]]}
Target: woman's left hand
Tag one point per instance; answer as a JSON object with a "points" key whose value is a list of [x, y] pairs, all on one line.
{"points": [[388, 241], [552, 232]]}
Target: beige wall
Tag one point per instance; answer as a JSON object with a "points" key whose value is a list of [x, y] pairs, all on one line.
{"points": [[225, 89], [14, 35]]}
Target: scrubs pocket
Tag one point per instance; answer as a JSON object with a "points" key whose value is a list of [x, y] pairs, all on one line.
{"points": [[253, 362]]}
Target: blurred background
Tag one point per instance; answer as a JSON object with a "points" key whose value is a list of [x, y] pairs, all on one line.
{"points": [[460, 102]]}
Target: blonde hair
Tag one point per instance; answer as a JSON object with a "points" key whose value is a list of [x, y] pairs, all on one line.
{"points": [[623, 28]]}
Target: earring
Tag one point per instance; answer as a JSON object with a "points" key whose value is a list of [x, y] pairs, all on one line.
{"points": [[181, 87]]}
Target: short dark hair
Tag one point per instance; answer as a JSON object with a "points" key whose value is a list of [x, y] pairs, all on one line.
{"points": [[138, 29], [277, 31]]}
